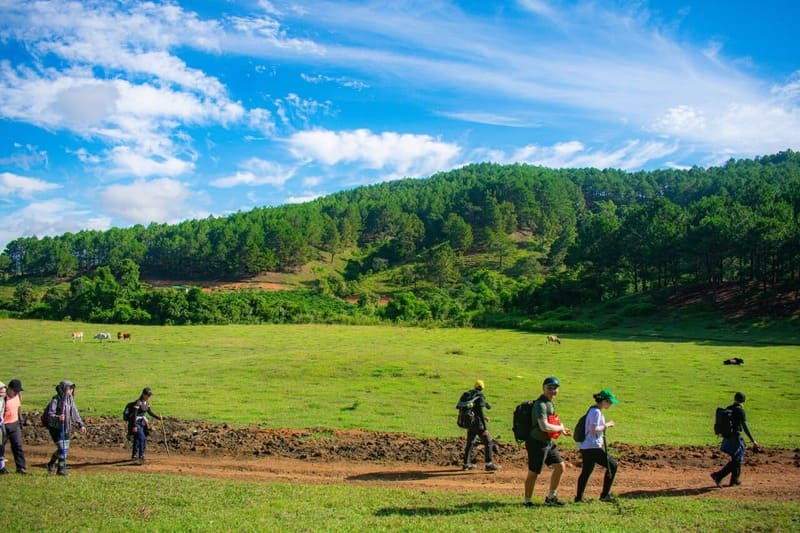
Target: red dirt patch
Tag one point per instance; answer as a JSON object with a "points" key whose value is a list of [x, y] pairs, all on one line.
{"points": [[398, 460]]}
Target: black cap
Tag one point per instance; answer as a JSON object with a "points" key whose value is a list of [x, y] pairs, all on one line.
{"points": [[15, 385], [147, 391]]}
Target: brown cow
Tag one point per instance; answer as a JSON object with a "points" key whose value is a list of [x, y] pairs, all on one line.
{"points": [[123, 336], [553, 339], [77, 335]]}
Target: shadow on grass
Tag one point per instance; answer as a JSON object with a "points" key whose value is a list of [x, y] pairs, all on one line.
{"points": [[444, 511], [75, 465], [412, 475], [660, 493]]}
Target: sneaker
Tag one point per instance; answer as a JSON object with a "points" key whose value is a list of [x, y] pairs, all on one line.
{"points": [[717, 481], [492, 467], [608, 498], [554, 501], [3, 471], [61, 472], [527, 504], [21, 471], [734, 483], [51, 468], [468, 466], [580, 500]]}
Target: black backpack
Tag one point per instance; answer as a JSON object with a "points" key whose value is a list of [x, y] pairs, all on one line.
{"points": [[723, 423], [465, 406], [127, 413], [522, 421], [579, 433]]}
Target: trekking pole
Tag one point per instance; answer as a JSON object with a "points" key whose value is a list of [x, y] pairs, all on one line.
{"points": [[164, 431], [64, 442]]}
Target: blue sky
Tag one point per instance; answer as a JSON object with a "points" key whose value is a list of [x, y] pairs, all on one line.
{"points": [[131, 112]]}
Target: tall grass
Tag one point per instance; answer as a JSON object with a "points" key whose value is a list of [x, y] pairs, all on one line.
{"points": [[404, 379]]}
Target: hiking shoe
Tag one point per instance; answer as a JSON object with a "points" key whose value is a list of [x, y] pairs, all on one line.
{"points": [[51, 468], [3, 471], [717, 481], [554, 501], [491, 467], [21, 471], [734, 483], [61, 472], [580, 500], [527, 504], [469, 466], [608, 498]]}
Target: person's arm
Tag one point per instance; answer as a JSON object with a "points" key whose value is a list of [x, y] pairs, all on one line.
{"points": [[76, 417], [745, 428]]}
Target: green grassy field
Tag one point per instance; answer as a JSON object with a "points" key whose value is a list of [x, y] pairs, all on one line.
{"points": [[106, 502], [384, 379], [404, 379]]}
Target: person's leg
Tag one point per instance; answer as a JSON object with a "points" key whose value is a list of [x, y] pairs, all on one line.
{"points": [[15, 437], [611, 472], [736, 471], [471, 435], [586, 471], [530, 482], [488, 446], [555, 478], [3, 458]]}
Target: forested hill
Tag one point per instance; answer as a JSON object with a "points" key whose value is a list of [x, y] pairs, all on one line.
{"points": [[591, 233]]}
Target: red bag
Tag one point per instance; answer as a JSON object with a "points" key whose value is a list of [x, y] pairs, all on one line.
{"points": [[556, 421]]}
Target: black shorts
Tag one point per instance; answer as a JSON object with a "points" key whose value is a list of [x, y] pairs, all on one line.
{"points": [[541, 454]]}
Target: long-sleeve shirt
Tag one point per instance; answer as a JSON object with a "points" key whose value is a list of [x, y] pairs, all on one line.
{"points": [[595, 426]]}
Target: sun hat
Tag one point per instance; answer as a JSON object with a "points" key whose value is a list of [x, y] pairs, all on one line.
{"points": [[479, 384], [607, 395]]}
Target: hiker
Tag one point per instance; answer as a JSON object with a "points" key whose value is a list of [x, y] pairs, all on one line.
{"points": [[138, 424], [3, 390], [734, 444], [12, 421], [479, 429], [593, 448], [61, 414], [540, 446]]}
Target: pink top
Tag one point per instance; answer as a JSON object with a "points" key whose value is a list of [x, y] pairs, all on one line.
{"points": [[12, 410]]}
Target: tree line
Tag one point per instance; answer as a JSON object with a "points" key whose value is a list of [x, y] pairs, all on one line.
{"points": [[482, 238]]}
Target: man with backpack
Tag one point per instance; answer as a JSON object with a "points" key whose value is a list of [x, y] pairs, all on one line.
{"points": [[138, 424], [478, 428], [733, 444], [541, 448]]}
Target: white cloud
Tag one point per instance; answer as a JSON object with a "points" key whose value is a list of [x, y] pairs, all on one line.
{"points": [[49, 218], [256, 172], [142, 202], [399, 154], [575, 154], [24, 187]]}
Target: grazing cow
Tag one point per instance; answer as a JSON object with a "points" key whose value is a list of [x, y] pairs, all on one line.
{"points": [[553, 339], [733, 361], [123, 336], [77, 335], [103, 337]]}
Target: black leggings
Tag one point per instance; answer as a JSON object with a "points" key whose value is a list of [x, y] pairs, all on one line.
{"points": [[591, 457]]}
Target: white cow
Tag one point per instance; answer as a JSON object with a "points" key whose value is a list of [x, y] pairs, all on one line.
{"points": [[77, 336], [103, 336]]}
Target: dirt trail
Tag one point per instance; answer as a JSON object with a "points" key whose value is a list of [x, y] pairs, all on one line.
{"points": [[401, 461]]}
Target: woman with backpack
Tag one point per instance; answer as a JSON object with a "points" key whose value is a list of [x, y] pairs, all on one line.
{"points": [[139, 426], [60, 414], [593, 447]]}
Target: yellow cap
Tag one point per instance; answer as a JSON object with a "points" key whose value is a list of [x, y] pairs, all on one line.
{"points": [[479, 384]]}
